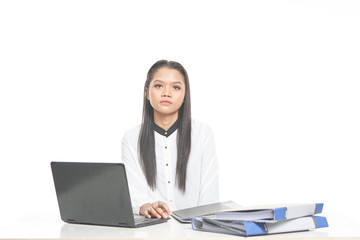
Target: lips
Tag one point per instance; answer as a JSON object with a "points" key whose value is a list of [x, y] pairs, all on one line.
{"points": [[164, 102]]}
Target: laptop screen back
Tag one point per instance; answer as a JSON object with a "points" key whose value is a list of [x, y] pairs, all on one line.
{"points": [[93, 193]]}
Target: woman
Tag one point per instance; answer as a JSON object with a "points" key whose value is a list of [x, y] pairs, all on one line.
{"points": [[170, 159]]}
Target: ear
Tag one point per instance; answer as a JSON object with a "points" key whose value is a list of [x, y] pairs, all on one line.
{"points": [[147, 93]]}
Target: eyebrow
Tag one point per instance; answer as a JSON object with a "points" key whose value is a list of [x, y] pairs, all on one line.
{"points": [[177, 82]]}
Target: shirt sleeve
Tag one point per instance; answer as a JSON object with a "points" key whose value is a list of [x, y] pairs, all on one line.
{"points": [[136, 180], [209, 186]]}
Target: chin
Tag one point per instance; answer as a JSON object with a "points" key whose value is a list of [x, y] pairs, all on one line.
{"points": [[166, 112]]}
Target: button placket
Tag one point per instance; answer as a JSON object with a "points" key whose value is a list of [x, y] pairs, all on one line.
{"points": [[167, 158]]}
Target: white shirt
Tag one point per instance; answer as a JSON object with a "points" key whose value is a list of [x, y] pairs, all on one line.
{"points": [[202, 182]]}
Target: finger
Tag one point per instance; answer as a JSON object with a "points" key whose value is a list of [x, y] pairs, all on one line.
{"points": [[154, 213], [158, 208], [165, 211], [160, 211], [144, 208], [165, 207], [147, 215], [147, 212]]}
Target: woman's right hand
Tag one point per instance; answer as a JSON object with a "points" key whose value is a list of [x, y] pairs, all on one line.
{"points": [[157, 209]]}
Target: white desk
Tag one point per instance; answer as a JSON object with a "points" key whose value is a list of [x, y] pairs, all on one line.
{"points": [[51, 227]]}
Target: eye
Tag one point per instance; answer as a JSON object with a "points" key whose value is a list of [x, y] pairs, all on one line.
{"points": [[158, 85], [176, 87]]}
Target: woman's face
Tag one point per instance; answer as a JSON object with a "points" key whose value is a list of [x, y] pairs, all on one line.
{"points": [[166, 91]]}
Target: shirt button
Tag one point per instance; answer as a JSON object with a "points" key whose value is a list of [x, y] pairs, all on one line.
{"points": [[171, 200], [167, 164], [165, 147], [165, 133], [168, 181]]}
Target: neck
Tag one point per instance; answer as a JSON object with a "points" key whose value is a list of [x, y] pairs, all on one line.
{"points": [[165, 121]]}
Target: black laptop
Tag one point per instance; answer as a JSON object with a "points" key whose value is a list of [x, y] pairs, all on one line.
{"points": [[96, 193]]}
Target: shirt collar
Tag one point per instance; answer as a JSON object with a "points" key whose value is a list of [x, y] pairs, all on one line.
{"points": [[165, 133]]}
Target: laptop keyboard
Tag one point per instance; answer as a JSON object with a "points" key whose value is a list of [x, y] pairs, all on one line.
{"points": [[142, 219], [138, 218]]}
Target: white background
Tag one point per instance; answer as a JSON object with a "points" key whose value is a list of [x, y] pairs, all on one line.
{"points": [[278, 82]]}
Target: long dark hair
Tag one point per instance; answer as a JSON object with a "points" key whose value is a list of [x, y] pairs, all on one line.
{"points": [[146, 138]]}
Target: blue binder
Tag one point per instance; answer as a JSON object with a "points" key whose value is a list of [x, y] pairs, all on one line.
{"points": [[258, 228], [271, 213]]}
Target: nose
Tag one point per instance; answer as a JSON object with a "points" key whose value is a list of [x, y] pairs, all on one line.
{"points": [[166, 92]]}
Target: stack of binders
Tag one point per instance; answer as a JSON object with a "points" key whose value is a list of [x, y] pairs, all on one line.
{"points": [[263, 220]]}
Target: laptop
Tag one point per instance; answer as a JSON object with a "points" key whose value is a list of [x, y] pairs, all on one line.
{"points": [[97, 194], [185, 215]]}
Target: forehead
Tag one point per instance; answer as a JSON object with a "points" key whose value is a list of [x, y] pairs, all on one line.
{"points": [[166, 74]]}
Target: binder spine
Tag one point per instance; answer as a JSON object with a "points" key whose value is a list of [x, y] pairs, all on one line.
{"points": [[320, 222], [253, 228], [319, 208], [279, 214]]}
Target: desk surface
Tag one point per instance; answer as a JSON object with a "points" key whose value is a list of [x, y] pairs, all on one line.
{"points": [[52, 227]]}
